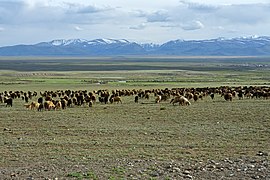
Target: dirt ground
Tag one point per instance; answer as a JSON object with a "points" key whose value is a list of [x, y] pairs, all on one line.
{"points": [[256, 167]]}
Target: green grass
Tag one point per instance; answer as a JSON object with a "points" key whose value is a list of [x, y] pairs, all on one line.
{"points": [[205, 130], [135, 71], [70, 142]]}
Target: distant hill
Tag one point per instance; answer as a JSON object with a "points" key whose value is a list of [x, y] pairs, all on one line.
{"points": [[242, 46]]}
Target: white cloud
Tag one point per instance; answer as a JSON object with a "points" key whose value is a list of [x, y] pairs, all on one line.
{"points": [[199, 6], [77, 28], [158, 20], [138, 27], [158, 16], [193, 25], [86, 9], [241, 14]]}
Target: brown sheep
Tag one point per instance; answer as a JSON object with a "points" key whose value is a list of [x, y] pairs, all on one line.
{"points": [[33, 105], [116, 99], [49, 105], [58, 105], [228, 96], [189, 95], [27, 106]]}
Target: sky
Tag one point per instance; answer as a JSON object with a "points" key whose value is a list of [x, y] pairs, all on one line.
{"points": [[142, 21]]}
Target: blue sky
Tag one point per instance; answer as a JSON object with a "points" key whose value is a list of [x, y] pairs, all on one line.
{"points": [[157, 21]]}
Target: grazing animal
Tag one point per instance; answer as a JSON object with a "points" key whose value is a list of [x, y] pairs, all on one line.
{"points": [[8, 102], [34, 105], [147, 95], [240, 95], [181, 100], [64, 103], [93, 99], [90, 103], [1, 99], [80, 100], [165, 97], [26, 99], [40, 100], [184, 101], [69, 102], [48, 105], [40, 107], [28, 106], [228, 96], [116, 99], [212, 96], [104, 99], [158, 99], [136, 99], [189, 95], [195, 97], [58, 105]]}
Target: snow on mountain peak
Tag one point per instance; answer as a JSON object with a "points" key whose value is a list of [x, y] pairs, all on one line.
{"points": [[63, 42], [108, 41]]}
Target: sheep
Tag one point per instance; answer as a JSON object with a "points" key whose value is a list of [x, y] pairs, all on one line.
{"points": [[196, 97], [58, 105], [49, 105], [40, 100], [8, 101], [136, 99], [184, 101], [32, 105], [26, 99], [147, 95], [181, 100], [116, 99], [69, 102], [64, 103], [189, 95], [40, 107], [27, 106], [165, 97], [158, 99], [240, 95], [93, 98], [90, 103], [228, 96], [212, 95]]}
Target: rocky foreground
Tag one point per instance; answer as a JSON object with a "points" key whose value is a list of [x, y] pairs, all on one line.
{"points": [[239, 168]]}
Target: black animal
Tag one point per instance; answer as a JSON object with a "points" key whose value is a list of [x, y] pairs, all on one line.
{"points": [[26, 99], [103, 99], [212, 95], [40, 100], [8, 102], [40, 107], [136, 99]]}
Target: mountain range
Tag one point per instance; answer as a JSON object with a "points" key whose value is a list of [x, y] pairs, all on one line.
{"points": [[241, 46]]}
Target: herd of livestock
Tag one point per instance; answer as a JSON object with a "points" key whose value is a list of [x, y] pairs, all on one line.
{"points": [[61, 99]]}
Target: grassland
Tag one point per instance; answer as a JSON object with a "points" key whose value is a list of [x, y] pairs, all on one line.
{"points": [[134, 141]]}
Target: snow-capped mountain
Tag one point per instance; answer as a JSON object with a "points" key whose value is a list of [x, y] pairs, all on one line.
{"points": [[79, 42], [240, 46]]}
